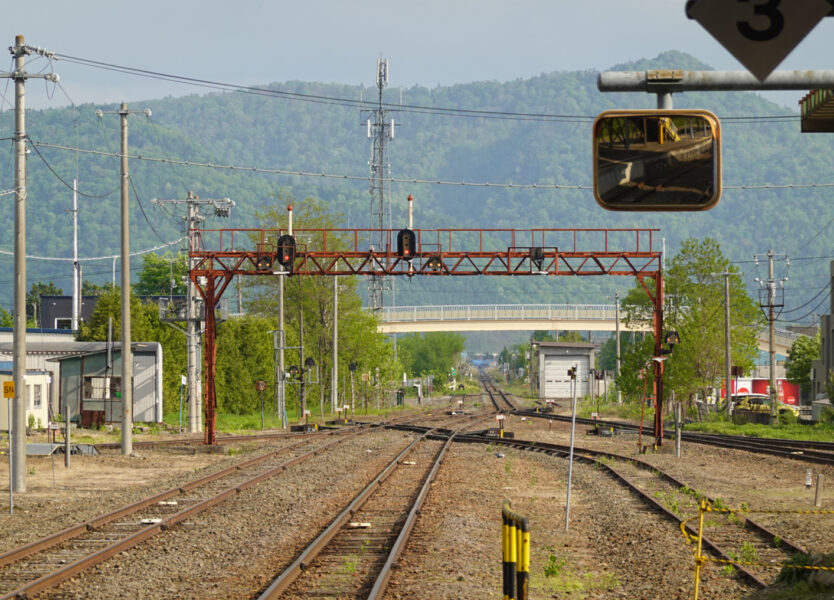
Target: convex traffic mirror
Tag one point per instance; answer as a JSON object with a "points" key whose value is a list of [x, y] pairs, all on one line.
{"points": [[657, 160]]}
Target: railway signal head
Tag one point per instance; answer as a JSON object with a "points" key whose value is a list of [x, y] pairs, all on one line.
{"points": [[537, 257], [286, 252], [657, 160], [293, 371], [406, 244], [435, 263], [572, 372], [264, 262]]}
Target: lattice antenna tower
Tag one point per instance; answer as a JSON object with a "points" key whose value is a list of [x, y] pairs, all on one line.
{"points": [[380, 130]]}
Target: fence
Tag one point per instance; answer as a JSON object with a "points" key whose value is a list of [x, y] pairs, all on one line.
{"points": [[515, 544], [702, 559]]}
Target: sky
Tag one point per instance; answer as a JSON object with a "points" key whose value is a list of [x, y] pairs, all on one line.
{"points": [[427, 42]]}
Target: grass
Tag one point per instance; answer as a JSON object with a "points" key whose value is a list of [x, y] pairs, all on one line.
{"points": [[819, 432], [557, 577]]}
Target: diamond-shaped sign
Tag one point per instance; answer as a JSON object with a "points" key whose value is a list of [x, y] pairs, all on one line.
{"points": [[759, 33]]}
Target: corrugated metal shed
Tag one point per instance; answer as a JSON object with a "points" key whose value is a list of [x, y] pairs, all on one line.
{"points": [[92, 388]]}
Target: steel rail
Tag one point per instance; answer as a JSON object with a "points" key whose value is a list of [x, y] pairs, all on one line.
{"points": [[291, 573], [788, 450], [56, 577], [588, 456]]}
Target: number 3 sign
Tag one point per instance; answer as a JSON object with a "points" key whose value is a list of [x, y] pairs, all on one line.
{"points": [[759, 33]]}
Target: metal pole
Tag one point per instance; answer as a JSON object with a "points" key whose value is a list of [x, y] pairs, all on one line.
{"points": [[17, 442], [127, 355], [67, 429], [617, 333], [282, 385], [771, 317], [728, 383], [192, 333], [334, 380], [11, 456], [570, 459]]}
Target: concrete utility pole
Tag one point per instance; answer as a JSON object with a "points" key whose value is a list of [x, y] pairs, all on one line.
{"points": [[222, 208], [770, 288], [17, 424], [126, 350], [76, 266]]}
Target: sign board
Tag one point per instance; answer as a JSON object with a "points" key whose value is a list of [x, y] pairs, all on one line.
{"points": [[260, 385], [759, 33], [8, 389]]}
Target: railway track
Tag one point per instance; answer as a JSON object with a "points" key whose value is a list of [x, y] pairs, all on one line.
{"points": [[47, 562], [727, 536], [354, 556]]}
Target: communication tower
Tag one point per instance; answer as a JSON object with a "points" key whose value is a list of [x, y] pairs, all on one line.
{"points": [[380, 128]]}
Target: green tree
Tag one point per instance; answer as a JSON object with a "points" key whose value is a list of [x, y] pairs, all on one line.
{"points": [[88, 288], [311, 298], [162, 275], [804, 351], [145, 326], [6, 318], [33, 298], [432, 353], [694, 291]]}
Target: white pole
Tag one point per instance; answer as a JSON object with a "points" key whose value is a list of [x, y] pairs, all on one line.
{"points": [[76, 279], [570, 457]]}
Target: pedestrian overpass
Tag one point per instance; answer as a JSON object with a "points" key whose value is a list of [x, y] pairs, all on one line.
{"points": [[529, 317]]}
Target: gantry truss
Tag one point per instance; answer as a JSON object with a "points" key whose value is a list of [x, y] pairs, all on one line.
{"points": [[218, 255]]}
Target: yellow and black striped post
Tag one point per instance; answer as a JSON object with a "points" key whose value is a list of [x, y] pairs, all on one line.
{"points": [[516, 554]]}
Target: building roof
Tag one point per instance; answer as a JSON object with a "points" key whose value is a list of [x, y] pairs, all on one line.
{"points": [[576, 345], [62, 350]]}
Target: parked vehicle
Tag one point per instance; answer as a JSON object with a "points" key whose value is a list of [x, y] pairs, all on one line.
{"points": [[760, 403]]}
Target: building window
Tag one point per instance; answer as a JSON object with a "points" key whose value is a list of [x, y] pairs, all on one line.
{"points": [[37, 395], [102, 388], [63, 323]]}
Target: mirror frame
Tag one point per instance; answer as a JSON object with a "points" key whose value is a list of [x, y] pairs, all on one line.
{"points": [[716, 132]]}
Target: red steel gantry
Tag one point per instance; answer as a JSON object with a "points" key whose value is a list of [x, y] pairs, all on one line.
{"points": [[216, 259]]}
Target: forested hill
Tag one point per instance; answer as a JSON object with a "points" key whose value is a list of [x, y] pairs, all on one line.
{"points": [[305, 130]]}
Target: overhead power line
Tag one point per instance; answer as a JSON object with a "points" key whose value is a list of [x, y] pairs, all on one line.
{"points": [[349, 102], [325, 175], [91, 258]]}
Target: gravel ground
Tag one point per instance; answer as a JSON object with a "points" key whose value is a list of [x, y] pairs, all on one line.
{"points": [[614, 547]]}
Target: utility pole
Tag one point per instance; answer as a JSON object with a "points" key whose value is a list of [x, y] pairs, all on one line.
{"points": [[773, 301], [617, 333], [379, 130], [76, 266], [193, 319], [126, 351], [17, 424], [334, 379]]}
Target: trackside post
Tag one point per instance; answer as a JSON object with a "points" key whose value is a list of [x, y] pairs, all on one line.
{"points": [[516, 554]]}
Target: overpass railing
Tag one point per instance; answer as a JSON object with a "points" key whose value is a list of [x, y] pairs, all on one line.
{"points": [[498, 312]]}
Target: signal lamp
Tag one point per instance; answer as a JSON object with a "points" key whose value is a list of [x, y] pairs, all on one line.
{"points": [[286, 251], [435, 263], [264, 262], [406, 244]]}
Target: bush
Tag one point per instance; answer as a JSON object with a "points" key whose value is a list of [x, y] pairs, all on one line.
{"points": [[786, 417]]}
